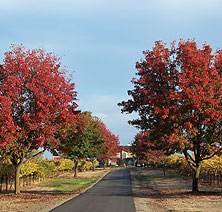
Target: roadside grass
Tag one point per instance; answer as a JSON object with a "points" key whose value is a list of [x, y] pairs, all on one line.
{"points": [[68, 185]]}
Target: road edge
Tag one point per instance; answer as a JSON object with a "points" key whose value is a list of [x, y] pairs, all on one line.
{"points": [[50, 208]]}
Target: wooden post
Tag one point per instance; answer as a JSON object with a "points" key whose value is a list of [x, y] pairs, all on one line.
{"points": [[3, 183], [23, 180], [11, 182], [1, 180], [6, 183], [208, 177], [220, 178]]}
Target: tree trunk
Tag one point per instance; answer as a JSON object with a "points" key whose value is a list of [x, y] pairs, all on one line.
{"points": [[164, 170], [76, 168], [196, 178], [17, 173], [104, 165], [93, 162]]}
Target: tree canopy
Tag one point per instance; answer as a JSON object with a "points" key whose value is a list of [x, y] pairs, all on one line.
{"points": [[36, 99], [178, 96], [88, 137]]}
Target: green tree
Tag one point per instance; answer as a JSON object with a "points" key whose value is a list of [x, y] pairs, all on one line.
{"points": [[82, 139]]}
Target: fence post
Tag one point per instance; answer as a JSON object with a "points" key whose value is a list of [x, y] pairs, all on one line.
{"points": [[10, 183], [6, 182], [1, 180], [220, 178], [26, 180], [23, 178]]}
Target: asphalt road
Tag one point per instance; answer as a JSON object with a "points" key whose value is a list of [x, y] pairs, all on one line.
{"points": [[112, 194]]}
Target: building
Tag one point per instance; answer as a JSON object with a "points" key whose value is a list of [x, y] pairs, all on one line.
{"points": [[124, 157]]}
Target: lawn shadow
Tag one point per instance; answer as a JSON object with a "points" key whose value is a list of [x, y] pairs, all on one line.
{"points": [[150, 183]]}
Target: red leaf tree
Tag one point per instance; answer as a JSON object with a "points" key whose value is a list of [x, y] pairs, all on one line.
{"points": [[35, 100], [111, 144], [143, 148], [178, 96], [146, 150]]}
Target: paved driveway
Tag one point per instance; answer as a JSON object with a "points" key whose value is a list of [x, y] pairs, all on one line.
{"points": [[112, 194]]}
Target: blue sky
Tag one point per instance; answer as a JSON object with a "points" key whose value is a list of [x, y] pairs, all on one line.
{"points": [[101, 40]]}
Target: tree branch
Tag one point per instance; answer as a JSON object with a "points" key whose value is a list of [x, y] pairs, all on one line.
{"points": [[215, 153], [189, 156], [35, 155], [189, 159]]}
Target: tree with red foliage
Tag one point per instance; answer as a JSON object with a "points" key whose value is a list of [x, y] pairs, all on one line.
{"points": [[144, 149], [111, 144], [178, 96], [35, 100]]}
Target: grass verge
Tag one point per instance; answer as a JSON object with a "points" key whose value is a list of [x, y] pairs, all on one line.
{"points": [[68, 185]]}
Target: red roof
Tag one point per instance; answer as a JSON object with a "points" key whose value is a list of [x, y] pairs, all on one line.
{"points": [[57, 158], [126, 148]]}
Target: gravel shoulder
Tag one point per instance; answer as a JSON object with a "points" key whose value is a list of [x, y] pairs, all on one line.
{"points": [[155, 193], [36, 198]]}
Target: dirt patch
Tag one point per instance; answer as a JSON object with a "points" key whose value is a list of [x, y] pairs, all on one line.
{"points": [[36, 198], [155, 193]]}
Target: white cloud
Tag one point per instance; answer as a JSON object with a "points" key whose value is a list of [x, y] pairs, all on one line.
{"points": [[105, 107], [99, 103], [94, 5], [53, 5], [100, 115], [10, 3], [187, 3]]}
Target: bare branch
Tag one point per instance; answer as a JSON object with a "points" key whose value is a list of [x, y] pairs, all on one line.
{"points": [[189, 159], [35, 155], [215, 153]]}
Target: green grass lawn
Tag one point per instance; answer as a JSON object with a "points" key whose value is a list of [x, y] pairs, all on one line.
{"points": [[68, 185]]}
